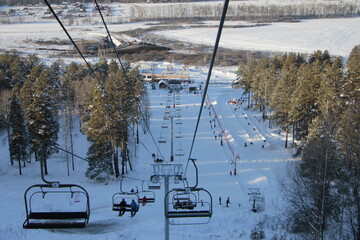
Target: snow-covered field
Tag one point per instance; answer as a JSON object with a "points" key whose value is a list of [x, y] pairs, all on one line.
{"points": [[338, 36], [257, 167]]}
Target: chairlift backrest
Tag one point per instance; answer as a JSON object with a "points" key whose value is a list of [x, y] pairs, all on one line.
{"points": [[60, 214], [189, 203]]}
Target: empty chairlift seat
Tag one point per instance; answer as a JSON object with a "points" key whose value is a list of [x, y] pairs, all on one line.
{"points": [[189, 203], [56, 206]]}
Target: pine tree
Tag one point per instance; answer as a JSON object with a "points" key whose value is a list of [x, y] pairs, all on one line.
{"points": [[304, 99], [318, 170], [5, 95], [18, 131], [43, 120], [283, 93], [99, 132], [348, 136], [100, 163]]}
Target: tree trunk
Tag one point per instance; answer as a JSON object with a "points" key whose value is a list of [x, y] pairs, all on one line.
{"points": [[287, 136], [19, 160], [116, 162], [122, 158], [127, 153], [9, 142]]}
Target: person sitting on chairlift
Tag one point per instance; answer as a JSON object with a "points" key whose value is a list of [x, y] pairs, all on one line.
{"points": [[144, 199], [134, 208], [122, 207]]}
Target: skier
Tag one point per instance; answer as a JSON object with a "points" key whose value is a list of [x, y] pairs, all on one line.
{"points": [[220, 200], [227, 202], [134, 208], [122, 207]]}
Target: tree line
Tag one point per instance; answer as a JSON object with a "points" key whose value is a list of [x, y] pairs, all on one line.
{"points": [[318, 99], [35, 97]]}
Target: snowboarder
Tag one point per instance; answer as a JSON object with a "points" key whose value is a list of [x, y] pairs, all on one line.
{"points": [[134, 208], [122, 207], [227, 202]]}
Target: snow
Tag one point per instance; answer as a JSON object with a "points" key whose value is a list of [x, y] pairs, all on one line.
{"points": [[258, 167], [338, 36], [262, 164]]}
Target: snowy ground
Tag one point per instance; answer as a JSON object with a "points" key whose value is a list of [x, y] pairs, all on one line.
{"points": [[258, 167], [338, 36]]}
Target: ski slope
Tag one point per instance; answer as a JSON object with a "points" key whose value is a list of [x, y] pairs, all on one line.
{"points": [[258, 167]]}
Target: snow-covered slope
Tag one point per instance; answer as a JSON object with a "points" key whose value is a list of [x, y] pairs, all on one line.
{"points": [[257, 168]]}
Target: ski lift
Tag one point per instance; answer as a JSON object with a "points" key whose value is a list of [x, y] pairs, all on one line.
{"points": [[189, 203], [158, 159], [162, 140], [256, 200], [178, 109], [128, 197], [164, 125], [179, 152], [154, 183], [55, 205], [149, 195], [69, 204], [178, 121], [178, 135]]}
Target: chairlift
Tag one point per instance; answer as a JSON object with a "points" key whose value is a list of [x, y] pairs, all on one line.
{"points": [[178, 121], [178, 135], [256, 200], [187, 204], [162, 140], [55, 205], [149, 195], [197, 204], [164, 125], [179, 152], [154, 183], [128, 197]]}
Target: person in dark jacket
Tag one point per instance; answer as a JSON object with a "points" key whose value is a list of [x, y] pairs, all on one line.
{"points": [[122, 207], [134, 208]]}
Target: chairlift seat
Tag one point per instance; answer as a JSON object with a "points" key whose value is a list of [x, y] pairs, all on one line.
{"points": [[37, 219], [183, 214], [127, 208], [43, 225], [162, 140], [154, 187], [148, 200], [57, 215]]}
